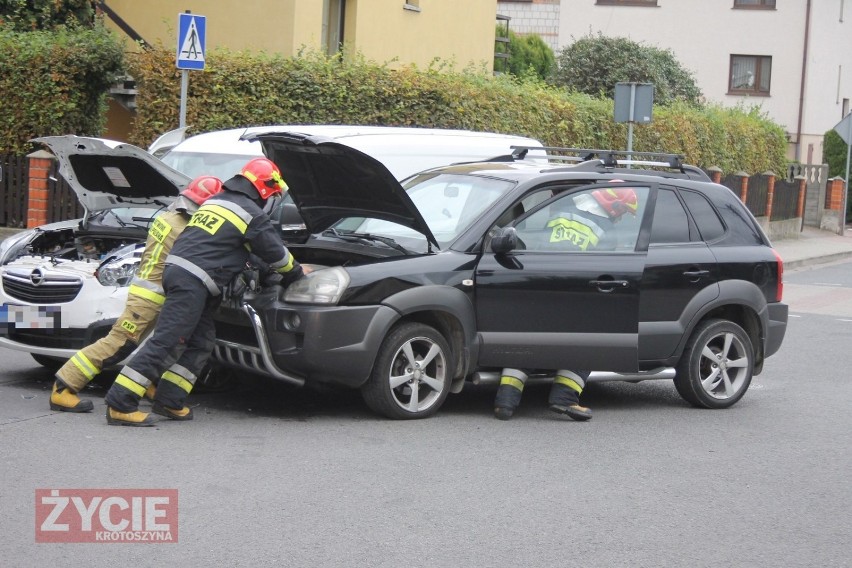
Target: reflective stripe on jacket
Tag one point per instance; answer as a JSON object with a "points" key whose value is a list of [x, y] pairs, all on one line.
{"points": [[221, 234], [164, 231]]}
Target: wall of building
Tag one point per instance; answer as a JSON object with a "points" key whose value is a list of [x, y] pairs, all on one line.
{"points": [[703, 35], [533, 17], [385, 31]]}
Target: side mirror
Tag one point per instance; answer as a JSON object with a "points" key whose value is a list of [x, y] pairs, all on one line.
{"points": [[505, 240]]}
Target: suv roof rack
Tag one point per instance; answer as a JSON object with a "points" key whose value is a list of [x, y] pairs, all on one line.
{"points": [[592, 159]]}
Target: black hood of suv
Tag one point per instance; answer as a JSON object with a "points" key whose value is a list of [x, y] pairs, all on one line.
{"points": [[330, 181]]}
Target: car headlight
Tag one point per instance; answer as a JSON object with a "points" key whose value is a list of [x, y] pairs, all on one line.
{"points": [[323, 286], [120, 268], [11, 247]]}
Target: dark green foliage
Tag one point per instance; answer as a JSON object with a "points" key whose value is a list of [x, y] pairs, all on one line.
{"points": [[834, 152], [529, 56], [246, 89], [593, 65], [55, 83], [32, 15]]}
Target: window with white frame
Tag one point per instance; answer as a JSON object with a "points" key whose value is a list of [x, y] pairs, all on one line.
{"points": [[626, 2], [750, 74]]}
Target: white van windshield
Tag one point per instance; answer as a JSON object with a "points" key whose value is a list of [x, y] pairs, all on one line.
{"points": [[194, 164]]}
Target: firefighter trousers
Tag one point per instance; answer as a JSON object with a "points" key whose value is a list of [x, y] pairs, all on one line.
{"points": [[177, 350], [134, 323], [565, 391]]}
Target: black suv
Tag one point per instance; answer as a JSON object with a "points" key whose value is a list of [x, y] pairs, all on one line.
{"points": [[454, 274]]}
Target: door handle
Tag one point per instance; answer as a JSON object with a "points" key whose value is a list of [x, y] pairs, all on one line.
{"points": [[607, 286], [696, 275]]}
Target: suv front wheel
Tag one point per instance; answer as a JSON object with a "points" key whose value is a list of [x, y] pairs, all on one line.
{"points": [[716, 367], [411, 377]]}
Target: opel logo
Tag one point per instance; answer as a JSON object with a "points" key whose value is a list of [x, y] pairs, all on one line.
{"points": [[37, 277]]}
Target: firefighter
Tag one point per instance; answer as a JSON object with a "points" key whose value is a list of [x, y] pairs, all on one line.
{"points": [[584, 224], [144, 299], [212, 249]]}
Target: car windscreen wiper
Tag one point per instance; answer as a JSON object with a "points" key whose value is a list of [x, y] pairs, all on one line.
{"points": [[359, 237]]}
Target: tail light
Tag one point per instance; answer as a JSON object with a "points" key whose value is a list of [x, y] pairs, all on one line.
{"points": [[779, 291]]}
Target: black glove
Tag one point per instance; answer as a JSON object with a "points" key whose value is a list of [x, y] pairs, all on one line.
{"points": [[288, 278]]}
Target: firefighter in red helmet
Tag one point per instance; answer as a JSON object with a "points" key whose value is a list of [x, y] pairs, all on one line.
{"points": [[584, 224], [212, 249], [144, 299]]}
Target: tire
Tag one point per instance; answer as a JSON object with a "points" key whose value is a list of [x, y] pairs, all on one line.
{"points": [[401, 386], [50, 363], [716, 367], [215, 379]]}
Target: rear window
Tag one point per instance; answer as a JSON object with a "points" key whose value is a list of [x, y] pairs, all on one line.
{"points": [[709, 224], [742, 228]]}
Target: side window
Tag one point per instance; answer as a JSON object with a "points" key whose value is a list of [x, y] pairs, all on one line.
{"points": [[671, 225], [709, 224], [592, 220]]}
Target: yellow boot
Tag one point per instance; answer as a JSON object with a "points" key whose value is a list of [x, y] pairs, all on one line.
{"points": [[64, 399], [151, 391], [135, 418], [184, 413]]}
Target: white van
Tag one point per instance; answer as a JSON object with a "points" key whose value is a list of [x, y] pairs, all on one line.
{"points": [[403, 151]]}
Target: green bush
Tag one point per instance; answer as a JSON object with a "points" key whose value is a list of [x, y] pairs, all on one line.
{"points": [[594, 64], [250, 89], [834, 152], [55, 82]]}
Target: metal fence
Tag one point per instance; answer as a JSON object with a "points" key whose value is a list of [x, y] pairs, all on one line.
{"points": [[62, 202], [13, 191], [758, 190], [785, 200]]}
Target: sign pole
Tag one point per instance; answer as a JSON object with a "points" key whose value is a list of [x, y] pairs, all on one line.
{"points": [[184, 89], [846, 180]]}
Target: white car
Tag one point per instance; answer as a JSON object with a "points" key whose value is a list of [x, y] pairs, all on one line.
{"points": [[63, 285]]}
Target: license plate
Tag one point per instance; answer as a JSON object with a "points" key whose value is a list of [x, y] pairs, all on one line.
{"points": [[29, 317]]}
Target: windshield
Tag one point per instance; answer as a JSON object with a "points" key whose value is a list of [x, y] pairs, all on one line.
{"points": [[194, 164], [448, 203]]}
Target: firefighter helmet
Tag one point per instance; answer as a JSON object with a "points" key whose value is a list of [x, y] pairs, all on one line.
{"points": [[202, 188], [264, 176], [617, 201]]}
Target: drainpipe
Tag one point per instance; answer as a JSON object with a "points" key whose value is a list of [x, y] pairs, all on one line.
{"points": [[802, 87]]}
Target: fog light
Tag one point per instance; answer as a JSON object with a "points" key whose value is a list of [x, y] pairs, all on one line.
{"points": [[294, 322]]}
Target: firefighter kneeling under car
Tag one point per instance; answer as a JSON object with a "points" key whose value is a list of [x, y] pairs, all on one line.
{"points": [[585, 225], [212, 249]]}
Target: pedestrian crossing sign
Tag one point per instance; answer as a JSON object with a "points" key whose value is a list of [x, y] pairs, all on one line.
{"points": [[192, 31]]}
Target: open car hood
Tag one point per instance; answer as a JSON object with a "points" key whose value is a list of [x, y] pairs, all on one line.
{"points": [[330, 181], [106, 174]]}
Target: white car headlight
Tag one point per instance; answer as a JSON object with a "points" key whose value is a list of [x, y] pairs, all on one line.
{"points": [[11, 247], [120, 268], [323, 286]]}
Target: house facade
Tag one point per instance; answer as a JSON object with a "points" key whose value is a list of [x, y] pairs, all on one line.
{"points": [[790, 58], [457, 35]]}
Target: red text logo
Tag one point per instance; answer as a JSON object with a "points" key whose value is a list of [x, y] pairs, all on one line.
{"points": [[106, 515]]}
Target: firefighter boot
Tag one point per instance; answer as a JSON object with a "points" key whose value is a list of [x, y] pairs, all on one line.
{"points": [[66, 400], [565, 396], [184, 413], [509, 393], [150, 392], [117, 418]]}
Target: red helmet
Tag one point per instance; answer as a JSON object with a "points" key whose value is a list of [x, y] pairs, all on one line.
{"points": [[265, 176], [617, 201], [202, 188]]}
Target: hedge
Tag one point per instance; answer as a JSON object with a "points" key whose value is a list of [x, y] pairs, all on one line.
{"points": [[249, 89]]}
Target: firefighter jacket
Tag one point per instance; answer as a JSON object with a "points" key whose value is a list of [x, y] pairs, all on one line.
{"points": [[164, 231], [218, 239]]}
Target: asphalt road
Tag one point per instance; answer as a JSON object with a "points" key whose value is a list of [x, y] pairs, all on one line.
{"points": [[272, 477]]}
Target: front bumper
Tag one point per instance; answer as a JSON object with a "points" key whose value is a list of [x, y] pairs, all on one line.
{"points": [[300, 343]]}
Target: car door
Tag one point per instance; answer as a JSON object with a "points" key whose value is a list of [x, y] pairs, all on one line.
{"points": [[544, 306], [681, 273]]}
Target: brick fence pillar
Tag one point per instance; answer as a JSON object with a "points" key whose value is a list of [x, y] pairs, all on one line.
{"points": [[743, 185], [715, 174], [770, 193], [834, 197], [39, 170]]}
